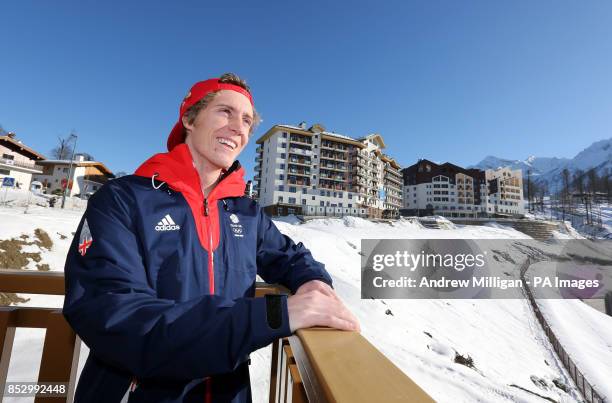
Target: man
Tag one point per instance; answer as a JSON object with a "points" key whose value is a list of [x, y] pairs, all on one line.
{"points": [[160, 275]]}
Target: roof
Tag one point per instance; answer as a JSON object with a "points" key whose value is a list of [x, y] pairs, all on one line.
{"points": [[22, 147], [308, 132], [98, 164], [374, 137]]}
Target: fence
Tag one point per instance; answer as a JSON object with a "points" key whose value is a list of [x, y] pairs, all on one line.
{"points": [[584, 386]]}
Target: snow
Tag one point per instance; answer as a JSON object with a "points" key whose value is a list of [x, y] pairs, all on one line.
{"points": [[598, 155], [587, 338], [422, 337], [575, 222]]}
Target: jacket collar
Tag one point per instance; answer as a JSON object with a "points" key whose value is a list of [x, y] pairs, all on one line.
{"points": [[177, 170]]}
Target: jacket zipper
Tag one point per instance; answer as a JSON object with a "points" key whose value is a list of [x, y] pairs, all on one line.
{"points": [[211, 286], [211, 256]]}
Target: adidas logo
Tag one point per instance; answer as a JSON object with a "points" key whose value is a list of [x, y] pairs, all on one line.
{"points": [[167, 224]]}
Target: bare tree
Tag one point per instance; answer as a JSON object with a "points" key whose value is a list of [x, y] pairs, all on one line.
{"points": [[578, 181], [63, 150], [566, 191]]}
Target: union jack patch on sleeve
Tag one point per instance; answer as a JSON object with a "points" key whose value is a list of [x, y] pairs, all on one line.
{"points": [[85, 239]]}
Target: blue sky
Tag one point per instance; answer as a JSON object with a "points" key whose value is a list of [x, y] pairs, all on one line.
{"points": [[444, 80]]}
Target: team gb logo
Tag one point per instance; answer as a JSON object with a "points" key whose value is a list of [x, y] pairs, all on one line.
{"points": [[236, 226]]}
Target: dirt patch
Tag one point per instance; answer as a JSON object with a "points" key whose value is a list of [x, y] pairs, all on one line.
{"points": [[8, 298], [43, 267], [11, 256], [43, 239]]}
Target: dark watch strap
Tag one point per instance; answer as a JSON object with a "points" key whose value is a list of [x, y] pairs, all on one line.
{"points": [[274, 310]]}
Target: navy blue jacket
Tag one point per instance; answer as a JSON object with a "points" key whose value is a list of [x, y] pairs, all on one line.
{"points": [[160, 285]]}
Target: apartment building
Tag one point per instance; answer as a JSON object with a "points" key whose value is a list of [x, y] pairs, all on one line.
{"points": [[505, 191], [310, 171], [82, 177], [18, 161], [452, 191]]}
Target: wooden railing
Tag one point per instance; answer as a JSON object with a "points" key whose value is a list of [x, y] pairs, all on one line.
{"points": [[61, 348], [314, 365], [325, 365]]}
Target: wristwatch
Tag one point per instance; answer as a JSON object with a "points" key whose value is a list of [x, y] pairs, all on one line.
{"points": [[274, 310]]}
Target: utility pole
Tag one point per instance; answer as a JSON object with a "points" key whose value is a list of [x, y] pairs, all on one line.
{"points": [[72, 135]]}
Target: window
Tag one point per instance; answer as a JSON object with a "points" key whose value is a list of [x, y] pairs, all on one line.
{"points": [[322, 192], [281, 166], [281, 176], [350, 205], [281, 188], [321, 203], [292, 189], [339, 204], [304, 202], [350, 197], [284, 135], [292, 200], [313, 197], [340, 195], [283, 155], [280, 199], [284, 145], [304, 190]]}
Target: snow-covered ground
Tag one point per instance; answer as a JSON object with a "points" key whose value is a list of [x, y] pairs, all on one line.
{"points": [[577, 220], [510, 353]]}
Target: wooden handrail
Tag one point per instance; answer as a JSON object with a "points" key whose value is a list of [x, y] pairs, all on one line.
{"points": [[338, 366], [32, 282]]}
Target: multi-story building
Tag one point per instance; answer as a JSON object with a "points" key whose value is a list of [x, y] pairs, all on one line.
{"points": [[452, 191], [18, 161], [82, 177], [311, 171], [505, 192]]}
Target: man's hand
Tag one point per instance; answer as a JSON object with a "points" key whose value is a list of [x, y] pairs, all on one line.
{"points": [[316, 304]]}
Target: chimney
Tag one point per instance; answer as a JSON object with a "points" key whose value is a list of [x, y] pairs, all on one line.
{"points": [[11, 135]]}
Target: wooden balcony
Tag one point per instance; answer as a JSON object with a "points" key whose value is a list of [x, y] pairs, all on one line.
{"points": [[314, 365]]}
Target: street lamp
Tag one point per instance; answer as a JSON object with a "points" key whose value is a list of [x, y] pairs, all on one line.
{"points": [[72, 135]]}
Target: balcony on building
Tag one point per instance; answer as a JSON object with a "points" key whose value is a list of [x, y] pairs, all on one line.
{"points": [[20, 166], [301, 140], [298, 180], [300, 150], [301, 172], [331, 145], [293, 159]]}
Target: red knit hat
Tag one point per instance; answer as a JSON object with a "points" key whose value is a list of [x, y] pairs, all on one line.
{"points": [[197, 92]]}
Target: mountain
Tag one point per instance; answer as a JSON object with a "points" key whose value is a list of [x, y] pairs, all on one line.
{"points": [[548, 169]]}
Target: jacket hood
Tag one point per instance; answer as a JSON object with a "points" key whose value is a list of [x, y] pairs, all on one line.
{"points": [[176, 168]]}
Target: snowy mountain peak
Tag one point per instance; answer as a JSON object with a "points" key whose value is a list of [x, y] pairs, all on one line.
{"points": [[598, 156]]}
